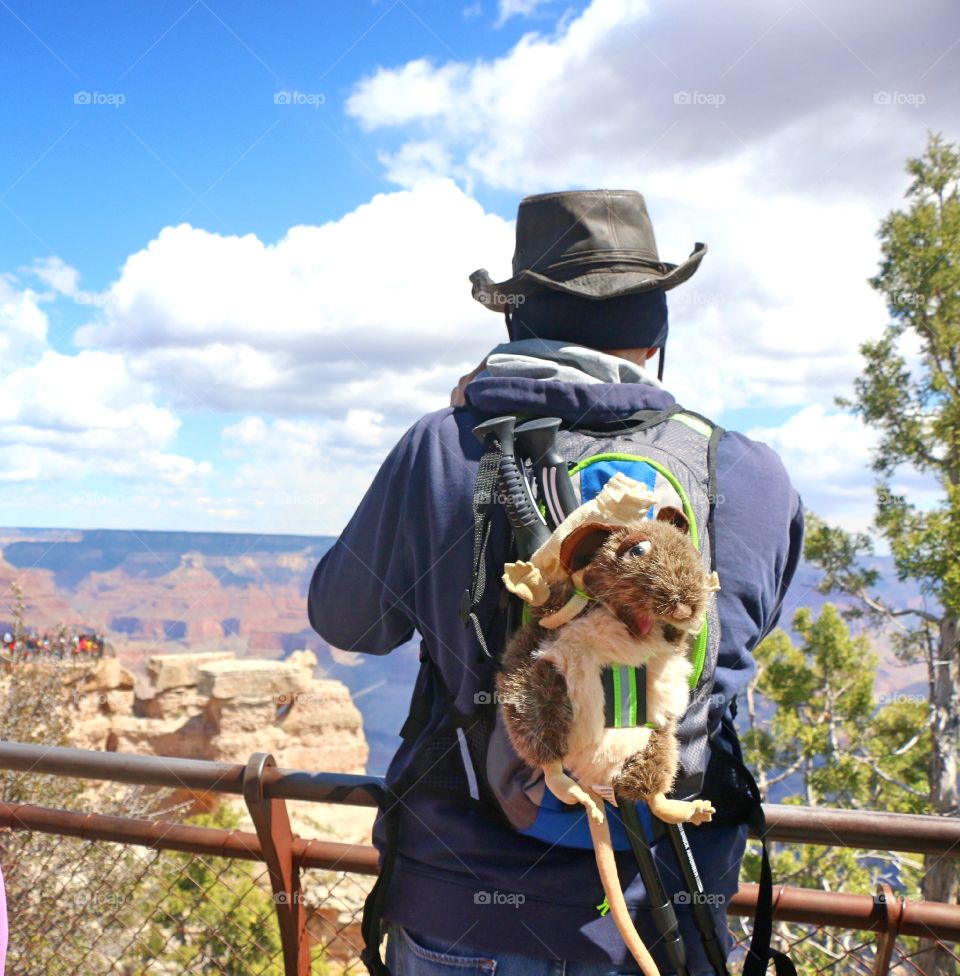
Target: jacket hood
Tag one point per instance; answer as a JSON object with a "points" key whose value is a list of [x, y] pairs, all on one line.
{"points": [[580, 403]]}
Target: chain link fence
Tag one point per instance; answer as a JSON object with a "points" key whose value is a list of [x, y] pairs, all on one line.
{"points": [[821, 949], [334, 901], [128, 910], [117, 904], [82, 908]]}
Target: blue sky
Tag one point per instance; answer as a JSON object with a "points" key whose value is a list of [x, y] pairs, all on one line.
{"points": [[235, 238], [199, 137]]}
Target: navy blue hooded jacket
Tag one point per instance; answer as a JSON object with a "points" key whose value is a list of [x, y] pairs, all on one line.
{"points": [[402, 564]]}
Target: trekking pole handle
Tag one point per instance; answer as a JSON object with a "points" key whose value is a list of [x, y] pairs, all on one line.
{"points": [[537, 441], [528, 524]]}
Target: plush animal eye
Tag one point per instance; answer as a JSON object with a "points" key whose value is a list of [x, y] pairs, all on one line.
{"points": [[641, 548]]}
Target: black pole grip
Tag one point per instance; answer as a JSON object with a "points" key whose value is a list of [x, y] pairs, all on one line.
{"points": [[499, 427], [537, 441], [528, 524]]}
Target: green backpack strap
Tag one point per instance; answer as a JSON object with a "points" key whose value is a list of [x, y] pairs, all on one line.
{"points": [[624, 696]]}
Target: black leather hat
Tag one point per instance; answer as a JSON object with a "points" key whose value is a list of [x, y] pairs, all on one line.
{"points": [[589, 243]]}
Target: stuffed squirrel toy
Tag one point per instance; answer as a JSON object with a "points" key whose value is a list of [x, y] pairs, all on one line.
{"points": [[609, 587]]}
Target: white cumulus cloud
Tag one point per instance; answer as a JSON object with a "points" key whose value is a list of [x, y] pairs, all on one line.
{"points": [[824, 97], [371, 310], [66, 417], [829, 456], [303, 476]]}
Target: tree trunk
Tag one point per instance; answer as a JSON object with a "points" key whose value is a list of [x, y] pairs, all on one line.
{"points": [[940, 879]]}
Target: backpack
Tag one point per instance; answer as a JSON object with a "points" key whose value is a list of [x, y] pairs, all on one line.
{"points": [[673, 452]]}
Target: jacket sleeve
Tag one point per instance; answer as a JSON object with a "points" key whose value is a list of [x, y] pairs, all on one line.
{"points": [[759, 538], [361, 593]]}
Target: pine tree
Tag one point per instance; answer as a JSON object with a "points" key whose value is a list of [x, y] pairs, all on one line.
{"points": [[909, 394], [819, 736]]}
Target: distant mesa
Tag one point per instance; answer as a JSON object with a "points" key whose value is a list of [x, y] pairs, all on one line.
{"points": [[147, 588], [212, 705], [163, 593]]}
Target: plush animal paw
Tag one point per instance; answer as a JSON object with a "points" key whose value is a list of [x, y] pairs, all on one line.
{"points": [[703, 811], [681, 811], [525, 581], [569, 791], [624, 499]]}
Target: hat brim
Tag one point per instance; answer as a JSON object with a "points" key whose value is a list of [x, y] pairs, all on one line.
{"points": [[596, 283]]}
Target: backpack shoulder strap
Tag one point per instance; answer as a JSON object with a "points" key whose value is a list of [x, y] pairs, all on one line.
{"points": [[729, 777], [639, 420], [714, 434]]}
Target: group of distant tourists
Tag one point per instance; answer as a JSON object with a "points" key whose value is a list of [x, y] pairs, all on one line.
{"points": [[61, 646]]}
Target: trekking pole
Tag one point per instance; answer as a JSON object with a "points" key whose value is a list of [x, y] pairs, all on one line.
{"points": [[537, 441], [664, 917], [702, 915], [529, 526]]}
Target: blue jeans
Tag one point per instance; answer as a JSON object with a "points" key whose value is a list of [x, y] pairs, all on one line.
{"points": [[420, 955]]}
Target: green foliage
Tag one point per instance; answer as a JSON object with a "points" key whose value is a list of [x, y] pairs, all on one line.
{"points": [[212, 911], [839, 555], [825, 721], [909, 393], [816, 724], [910, 387]]}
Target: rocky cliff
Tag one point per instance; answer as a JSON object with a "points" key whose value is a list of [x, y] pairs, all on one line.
{"points": [[166, 593], [215, 706]]}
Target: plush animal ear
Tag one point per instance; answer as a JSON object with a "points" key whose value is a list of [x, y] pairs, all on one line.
{"points": [[675, 517], [582, 543]]}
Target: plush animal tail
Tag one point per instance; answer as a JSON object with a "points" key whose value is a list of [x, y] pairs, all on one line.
{"points": [[607, 865]]}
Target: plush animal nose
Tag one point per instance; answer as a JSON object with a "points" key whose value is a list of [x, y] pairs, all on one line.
{"points": [[682, 611]]}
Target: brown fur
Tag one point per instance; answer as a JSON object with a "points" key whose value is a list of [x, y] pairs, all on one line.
{"points": [[651, 771], [669, 576], [673, 635], [643, 611], [559, 594], [533, 696]]}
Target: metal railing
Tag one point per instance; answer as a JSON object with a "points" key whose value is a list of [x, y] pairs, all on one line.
{"points": [[266, 788]]}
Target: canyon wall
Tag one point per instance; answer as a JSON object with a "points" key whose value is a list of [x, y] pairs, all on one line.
{"points": [[215, 706]]}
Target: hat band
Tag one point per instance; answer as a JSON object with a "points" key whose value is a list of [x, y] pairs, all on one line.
{"points": [[608, 258]]}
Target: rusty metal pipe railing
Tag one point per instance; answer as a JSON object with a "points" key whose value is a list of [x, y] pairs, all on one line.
{"points": [[265, 788], [842, 910], [165, 836], [199, 775], [865, 830], [155, 834], [801, 905]]}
